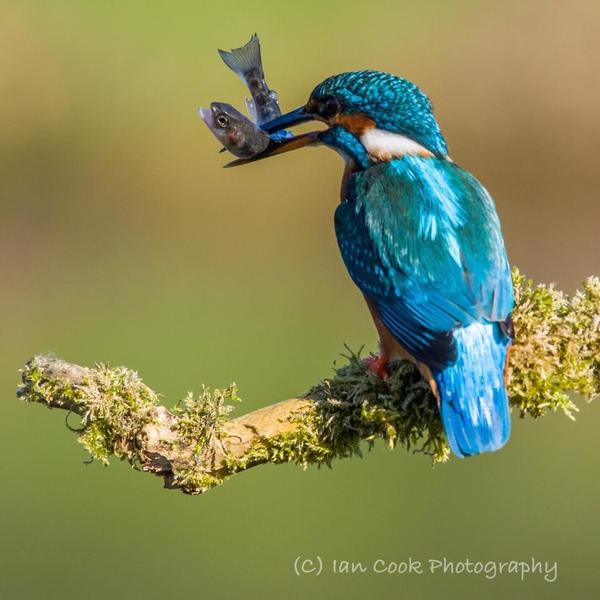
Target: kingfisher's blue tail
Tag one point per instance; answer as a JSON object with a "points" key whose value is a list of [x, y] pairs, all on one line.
{"points": [[473, 400]]}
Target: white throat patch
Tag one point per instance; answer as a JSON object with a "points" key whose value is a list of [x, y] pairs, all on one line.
{"points": [[384, 145]]}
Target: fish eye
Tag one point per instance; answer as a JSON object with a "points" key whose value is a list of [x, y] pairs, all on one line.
{"points": [[330, 107], [222, 120]]}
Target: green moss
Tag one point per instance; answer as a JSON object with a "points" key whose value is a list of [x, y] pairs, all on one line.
{"points": [[38, 387], [353, 407], [356, 405], [557, 347], [199, 420], [199, 424], [197, 482], [114, 405], [556, 356]]}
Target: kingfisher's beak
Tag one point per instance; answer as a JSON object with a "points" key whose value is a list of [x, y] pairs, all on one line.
{"points": [[295, 117]]}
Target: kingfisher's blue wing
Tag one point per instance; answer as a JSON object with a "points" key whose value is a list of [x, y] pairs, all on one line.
{"points": [[421, 239]]}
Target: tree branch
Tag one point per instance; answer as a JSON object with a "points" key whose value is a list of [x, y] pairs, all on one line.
{"points": [[195, 446]]}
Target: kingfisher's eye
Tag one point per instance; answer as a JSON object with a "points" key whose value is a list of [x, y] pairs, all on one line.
{"points": [[330, 108], [222, 120]]}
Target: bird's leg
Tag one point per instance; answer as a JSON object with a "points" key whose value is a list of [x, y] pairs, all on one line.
{"points": [[388, 347]]}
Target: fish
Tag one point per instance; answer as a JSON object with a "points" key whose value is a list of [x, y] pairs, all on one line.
{"points": [[246, 63], [238, 134]]}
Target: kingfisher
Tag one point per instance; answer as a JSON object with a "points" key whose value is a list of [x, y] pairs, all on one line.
{"points": [[421, 239]]}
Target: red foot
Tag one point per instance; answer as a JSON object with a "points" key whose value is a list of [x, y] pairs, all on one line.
{"points": [[378, 365]]}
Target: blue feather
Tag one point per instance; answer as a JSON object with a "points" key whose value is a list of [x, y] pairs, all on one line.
{"points": [[420, 237], [473, 401]]}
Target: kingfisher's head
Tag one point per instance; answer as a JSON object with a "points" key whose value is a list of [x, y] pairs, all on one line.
{"points": [[371, 117]]}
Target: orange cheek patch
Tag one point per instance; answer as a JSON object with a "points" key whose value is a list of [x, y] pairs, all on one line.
{"points": [[356, 123]]}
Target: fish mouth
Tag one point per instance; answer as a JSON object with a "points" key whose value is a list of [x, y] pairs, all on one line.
{"points": [[294, 117], [207, 116]]}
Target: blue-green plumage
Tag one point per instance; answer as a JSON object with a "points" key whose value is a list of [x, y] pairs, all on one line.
{"points": [[421, 239], [397, 104], [433, 240]]}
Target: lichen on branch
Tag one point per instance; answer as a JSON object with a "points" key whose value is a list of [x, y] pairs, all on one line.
{"points": [[196, 446]]}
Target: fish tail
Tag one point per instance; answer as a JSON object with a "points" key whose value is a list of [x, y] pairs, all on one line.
{"points": [[244, 60], [473, 400]]}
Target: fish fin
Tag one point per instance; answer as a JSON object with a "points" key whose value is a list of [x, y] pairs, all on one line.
{"points": [[245, 59], [251, 107], [473, 401]]}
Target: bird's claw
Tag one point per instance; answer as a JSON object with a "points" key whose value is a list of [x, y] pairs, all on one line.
{"points": [[378, 365]]}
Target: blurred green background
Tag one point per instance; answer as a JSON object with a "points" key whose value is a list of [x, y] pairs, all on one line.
{"points": [[122, 240]]}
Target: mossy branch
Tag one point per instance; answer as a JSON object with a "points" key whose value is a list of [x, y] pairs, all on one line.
{"points": [[196, 446]]}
